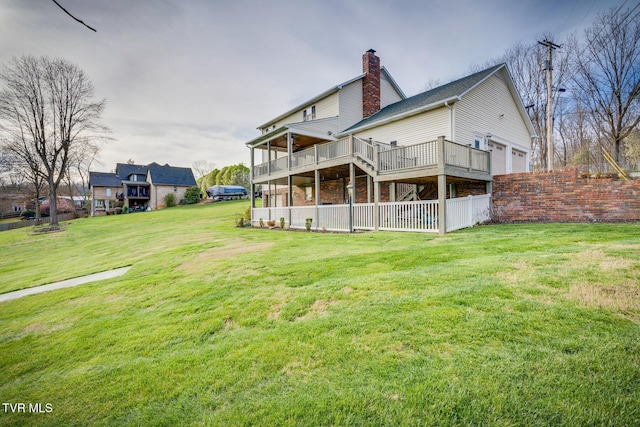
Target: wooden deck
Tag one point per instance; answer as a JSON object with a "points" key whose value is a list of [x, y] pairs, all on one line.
{"points": [[383, 162]]}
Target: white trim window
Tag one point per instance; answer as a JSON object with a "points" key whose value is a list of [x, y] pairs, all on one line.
{"points": [[479, 141], [309, 114]]}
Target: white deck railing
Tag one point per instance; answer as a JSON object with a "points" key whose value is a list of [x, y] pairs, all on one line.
{"points": [[420, 216], [467, 211], [409, 216]]}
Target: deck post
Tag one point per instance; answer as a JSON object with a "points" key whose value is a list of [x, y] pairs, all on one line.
{"points": [[376, 201], [268, 157], [289, 196], [252, 185], [317, 184], [442, 204], [289, 149]]}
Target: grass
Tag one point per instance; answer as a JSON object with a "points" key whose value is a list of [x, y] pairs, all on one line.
{"points": [[216, 325]]}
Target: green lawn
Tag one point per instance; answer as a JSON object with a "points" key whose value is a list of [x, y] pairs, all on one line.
{"points": [[215, 325]]}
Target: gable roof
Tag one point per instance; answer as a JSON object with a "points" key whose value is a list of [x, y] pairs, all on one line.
{"points": [[449, 92], [330, 91], [103, 179], [123, 170], [171, 175]]}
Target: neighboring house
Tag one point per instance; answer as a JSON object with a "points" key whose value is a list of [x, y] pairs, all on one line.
{"points": [[439, 145], [138, 187], [168, 179]]}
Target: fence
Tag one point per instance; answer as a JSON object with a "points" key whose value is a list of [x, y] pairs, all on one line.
{"points": [[417, 216], [31, 223], [467, 211]]}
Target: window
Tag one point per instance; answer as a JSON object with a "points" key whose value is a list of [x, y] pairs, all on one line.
{"points": [[309, 114], [108, 192], [308, 193], [479, 142]]}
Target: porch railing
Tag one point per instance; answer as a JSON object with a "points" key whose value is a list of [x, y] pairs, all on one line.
{"points": [[389, 158], [419, 216], [467, 157], [410, 156], [334, 150]]}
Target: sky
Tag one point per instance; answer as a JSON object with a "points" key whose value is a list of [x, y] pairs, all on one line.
{"points": [[190, 80]]}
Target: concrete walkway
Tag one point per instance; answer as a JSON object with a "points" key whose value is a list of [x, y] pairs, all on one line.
{"points": [[64, 284]]}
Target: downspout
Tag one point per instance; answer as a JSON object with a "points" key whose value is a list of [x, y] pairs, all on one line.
{"points": [[446, 104]]}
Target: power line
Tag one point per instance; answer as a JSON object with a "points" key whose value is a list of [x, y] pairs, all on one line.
{"points": [[568, 16], [82, 22]]}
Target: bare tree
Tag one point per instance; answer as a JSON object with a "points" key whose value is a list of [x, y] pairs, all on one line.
{"points": [[22, 160], [632, 148], [47, 106], [607, 74], [202, 167]]}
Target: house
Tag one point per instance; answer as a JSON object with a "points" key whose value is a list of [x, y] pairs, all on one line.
{"points": [[165, 180], [405, 163], [138, 187]]}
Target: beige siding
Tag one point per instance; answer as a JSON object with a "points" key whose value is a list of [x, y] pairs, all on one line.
{"points": [[350, 104], [423, 127], [490, 108], [325, 107], [388, 94]]}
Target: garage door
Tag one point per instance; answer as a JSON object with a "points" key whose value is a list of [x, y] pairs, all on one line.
{"points": [[518, 162], [498, 158]]}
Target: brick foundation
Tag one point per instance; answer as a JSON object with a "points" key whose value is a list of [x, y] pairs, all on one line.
{"points": [[564, 196]]}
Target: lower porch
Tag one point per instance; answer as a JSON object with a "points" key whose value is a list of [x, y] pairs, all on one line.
{"points": [[416, 216]]}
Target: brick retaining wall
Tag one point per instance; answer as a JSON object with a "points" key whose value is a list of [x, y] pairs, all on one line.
{"points": [[563, 196]]}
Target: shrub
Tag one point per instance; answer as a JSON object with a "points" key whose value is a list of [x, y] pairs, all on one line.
{"points": [[281, 223], [125, 209], [27, 214], [192, 195], [170, 200], [247, 214]]}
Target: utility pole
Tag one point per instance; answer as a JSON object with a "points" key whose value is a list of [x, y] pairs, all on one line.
{"points": [[549, 67]]}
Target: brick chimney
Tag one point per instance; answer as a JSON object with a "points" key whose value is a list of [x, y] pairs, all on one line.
{"points": [[370, 83]]}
